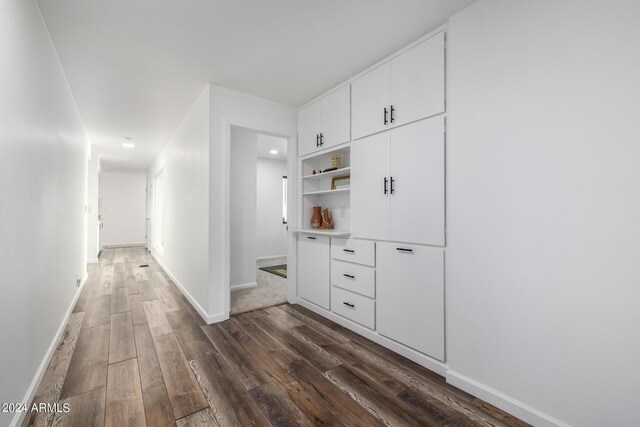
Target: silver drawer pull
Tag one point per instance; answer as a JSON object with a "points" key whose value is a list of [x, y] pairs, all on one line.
{"points": [[349, 276], [409, 251], [349, 251], [348, 304]]}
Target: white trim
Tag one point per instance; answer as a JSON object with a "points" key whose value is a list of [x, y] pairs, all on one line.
{"points": [[93, 261], [203, 313], [260, 258], [421, 359], [121, 245], [377, 64], [18, 418], [243, 286], [502, 401]]}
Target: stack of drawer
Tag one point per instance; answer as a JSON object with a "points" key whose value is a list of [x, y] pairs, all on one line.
{"points": [[353, 280]]}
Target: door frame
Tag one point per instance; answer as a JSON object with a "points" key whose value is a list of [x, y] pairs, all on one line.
{"points": [[292, 205]]}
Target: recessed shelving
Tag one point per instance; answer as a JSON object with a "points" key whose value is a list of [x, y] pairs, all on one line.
{"points": [[336, 191], [337, 172]]}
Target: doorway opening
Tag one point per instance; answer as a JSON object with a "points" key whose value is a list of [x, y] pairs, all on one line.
{"points": [[259, 220]]}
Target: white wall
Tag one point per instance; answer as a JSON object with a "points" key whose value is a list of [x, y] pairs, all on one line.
{"points": [[228, 108], [43, 167], [185, 160], [271, 232], [124, 208], [543, 190], [244, 145], [93, 245]]}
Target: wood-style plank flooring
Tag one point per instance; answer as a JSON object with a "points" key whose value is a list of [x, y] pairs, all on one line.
{"points": [[136, 353]]}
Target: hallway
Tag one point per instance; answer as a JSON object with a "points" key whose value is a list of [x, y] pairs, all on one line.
{"points": [[136, 353]]}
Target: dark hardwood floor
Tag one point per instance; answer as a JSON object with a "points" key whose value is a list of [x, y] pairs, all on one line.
{"points": [[136, 353]]}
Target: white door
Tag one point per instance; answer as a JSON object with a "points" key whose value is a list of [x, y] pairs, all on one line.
{"points": [[418, 173], [308, 129], [417, 81], [370, 187], [410, 296], [369, 98], [314, 254], [336, 118]]}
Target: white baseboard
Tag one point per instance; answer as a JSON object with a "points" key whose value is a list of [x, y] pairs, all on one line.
{"points": [[244, 286], [35, 383], [203, 313], [260, 258], [421, 359], [92, 261], [502, 401], [122, 245]]}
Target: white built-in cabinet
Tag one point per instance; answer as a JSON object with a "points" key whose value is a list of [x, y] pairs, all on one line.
{"points": [[398, 184], [380, 271], [314, 258], [409, 87], [410, 296], [325, 123]]}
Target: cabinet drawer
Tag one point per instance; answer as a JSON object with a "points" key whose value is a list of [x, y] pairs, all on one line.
{"points": [[353, 306], [358, 251], [356, 278]]}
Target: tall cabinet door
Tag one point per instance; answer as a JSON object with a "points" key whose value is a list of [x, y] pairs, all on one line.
{"points": [[308, 127], [314, 255], [418, 82], [418, 172], [410, 296], [369, 201], [370, 95], [336, 118]]}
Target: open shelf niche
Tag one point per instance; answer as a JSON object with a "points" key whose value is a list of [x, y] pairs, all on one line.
{"points": [[316, 189]]}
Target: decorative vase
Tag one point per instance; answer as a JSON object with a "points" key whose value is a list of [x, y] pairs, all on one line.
{"points": [[327, 221], [316, 218]]}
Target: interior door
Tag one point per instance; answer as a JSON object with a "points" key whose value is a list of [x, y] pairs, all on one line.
{"points": [[370, 95], [418, 81], [418, 173], [369, 191], [410, 296], [336, 117]]}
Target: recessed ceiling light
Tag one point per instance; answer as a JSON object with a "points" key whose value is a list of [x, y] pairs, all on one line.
{"points": [[128, 145], [274, 151]]}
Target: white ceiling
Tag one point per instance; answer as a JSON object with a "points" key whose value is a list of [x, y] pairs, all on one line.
{"points": [[136, 66], [266, 143]]}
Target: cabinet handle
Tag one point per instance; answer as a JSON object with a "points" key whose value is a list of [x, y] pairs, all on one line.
{"points": [[385, 116], [386, 182], [349, 276], [317, 140], [392, 110], [311, 238], [392, 189], [351, 251], [348, 304], [321, 139], [410, 251]]}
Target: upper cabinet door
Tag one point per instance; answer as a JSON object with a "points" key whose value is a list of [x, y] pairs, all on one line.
{"points": [[418, 82], [370, 96], [369, 200], [418, 173], [309, 128], [336, 118]]}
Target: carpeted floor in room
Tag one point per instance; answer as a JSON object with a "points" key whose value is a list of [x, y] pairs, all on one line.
{"points": [[271, 290]]}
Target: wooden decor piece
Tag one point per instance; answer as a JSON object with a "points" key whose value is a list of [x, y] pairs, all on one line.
{"points": [[327, 221]]}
